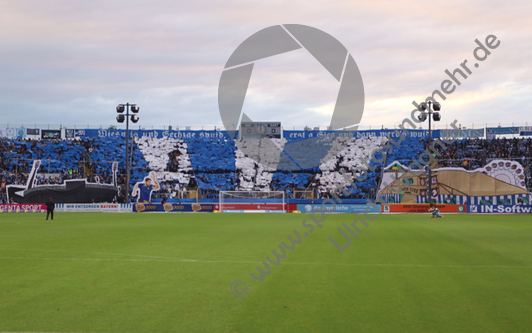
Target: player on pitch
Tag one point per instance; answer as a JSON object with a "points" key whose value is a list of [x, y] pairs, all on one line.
{"points": [[50, 206], [434, 210]]}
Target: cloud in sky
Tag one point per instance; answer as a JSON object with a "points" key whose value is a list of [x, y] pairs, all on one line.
{"points": [[71, 63]]}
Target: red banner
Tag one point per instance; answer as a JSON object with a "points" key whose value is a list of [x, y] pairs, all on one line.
{"points": [[250, 206], [291, 207], [22, 208], [421, 208]]}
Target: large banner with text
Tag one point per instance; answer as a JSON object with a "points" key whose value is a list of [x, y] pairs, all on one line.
{"points": [[287, 134], [101, 133]]}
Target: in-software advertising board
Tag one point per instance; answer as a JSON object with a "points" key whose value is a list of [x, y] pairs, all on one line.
{"points": [[500, 209]]}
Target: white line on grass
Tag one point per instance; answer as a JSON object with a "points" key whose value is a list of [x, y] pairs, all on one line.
{"points": [[41, 332], [257, 262], [112, 254], [100, 259]]}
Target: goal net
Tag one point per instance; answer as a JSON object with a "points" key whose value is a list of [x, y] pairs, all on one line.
{"points": [[303, 194], [252, 201]]}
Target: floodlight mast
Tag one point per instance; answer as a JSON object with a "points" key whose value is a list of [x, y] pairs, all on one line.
{"points": [[432, 107], [429, 174], [134, 118], [422, 117]]}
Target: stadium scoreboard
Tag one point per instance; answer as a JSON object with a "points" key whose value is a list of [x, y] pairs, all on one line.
{"points": [[525, 131], [256, 129]]}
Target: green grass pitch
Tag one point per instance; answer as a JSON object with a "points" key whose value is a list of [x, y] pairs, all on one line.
{"points": [[104, 272]]}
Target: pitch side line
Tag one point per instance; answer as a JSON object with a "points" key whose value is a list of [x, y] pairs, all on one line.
{"points": [[257, 262], [99, 259], [44, 332], [113, 254]]}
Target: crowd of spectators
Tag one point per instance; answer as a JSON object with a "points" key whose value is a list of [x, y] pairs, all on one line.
{"points": [[17, 155], [16, 160], [475, 153], [11, 172], [472, 154]]}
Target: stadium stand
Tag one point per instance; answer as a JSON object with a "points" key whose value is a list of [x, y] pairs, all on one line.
{"points": [[167, 157], [345, 162], [474, 153], [214, 164], [410, 148]]}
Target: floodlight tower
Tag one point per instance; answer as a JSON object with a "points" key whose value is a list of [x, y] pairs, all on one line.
{"points": [[134, 118], [422, 117]]}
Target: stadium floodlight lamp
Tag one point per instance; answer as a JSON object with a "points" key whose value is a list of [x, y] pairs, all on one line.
{"points": [[134, 108], [422, 117]]}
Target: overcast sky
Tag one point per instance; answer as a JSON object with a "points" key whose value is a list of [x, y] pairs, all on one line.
{"points": [[71, 62]]}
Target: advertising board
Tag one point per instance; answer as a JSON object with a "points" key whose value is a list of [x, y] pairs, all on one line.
{"points": [[250, 206], [502, 130], [422, 208], [345, 208], [172, 208], [51, 134], [22, 208], [500, 209], [107, 208]]}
